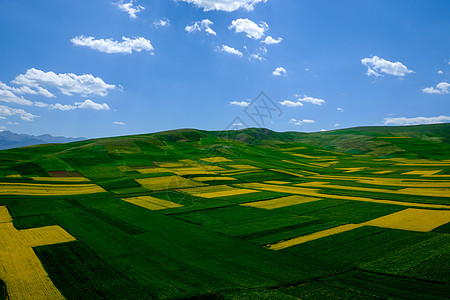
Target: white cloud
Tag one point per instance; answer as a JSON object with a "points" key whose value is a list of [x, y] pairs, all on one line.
{"points": [[240, 103], [250, 28], [440, 72], [376, 66], [10, 97], [279, 71], [129, 8], [415, 121], [162, 23], [441, 88], [26, 90], [340, 109], [230, 50], [89, 104], [312, 100], [336, 125], [323, 130], [86, 104], [67, 83], [225, 5], [289, 103], [9, 111], [40, 104], [301, 122], [63, 107], [270, 40], [118, 123], [257, 57], [12, 123], [203, 25], [109, 46]]}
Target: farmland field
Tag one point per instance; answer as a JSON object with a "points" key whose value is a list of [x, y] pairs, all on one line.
{"points": [[258, 215]]}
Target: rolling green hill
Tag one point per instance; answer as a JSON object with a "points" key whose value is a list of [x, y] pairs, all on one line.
{"points": [[250, 214]]}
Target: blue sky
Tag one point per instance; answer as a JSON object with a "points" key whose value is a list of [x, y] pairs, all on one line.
{"points": [[105, 68]]}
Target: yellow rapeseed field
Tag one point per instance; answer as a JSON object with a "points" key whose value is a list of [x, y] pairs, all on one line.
{"points": [[383, 172], [153, 170], [216, 159], [170, 164], [197, 170], [217, 191], [313, 236], [243, 167], [167, 182], [413, 219], [276, 182], [213, 178], [20, 268], [281, 202], [37, 189], [151, 203]]}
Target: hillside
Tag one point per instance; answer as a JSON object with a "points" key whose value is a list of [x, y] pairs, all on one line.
{"points": [[361, 213]]}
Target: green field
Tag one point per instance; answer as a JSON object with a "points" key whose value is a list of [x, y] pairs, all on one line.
{"points": [[182, 215]]}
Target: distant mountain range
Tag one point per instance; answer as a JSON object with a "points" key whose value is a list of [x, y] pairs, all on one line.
{"points": [[10, 139]]}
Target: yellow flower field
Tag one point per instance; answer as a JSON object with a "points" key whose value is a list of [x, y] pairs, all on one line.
{"points": [[62, 179], [153, 170], [281, 202], [20, 268], [276, 182], [37, 189], [217, 191], [151, 203], [216, 159], [213, 178], [413, 219], [167, 182], [313, 236]]}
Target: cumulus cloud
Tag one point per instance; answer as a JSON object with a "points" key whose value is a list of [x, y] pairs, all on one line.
{"points": [[441, 88], [203, 25], [162, 23], [26, 90], [301, 122], [240, 103], [10, 97], [67, 83], [86, 104], [415, 120], [312, 100], [336, 125], [377, 66], [224, 5], [289, 103], [109, 46], [270, 40], [440, 72], [230, 50], [340, 109], [279, 71], [129, 8], [119, 123], [40, 104], [6, 111], [250, 28]]}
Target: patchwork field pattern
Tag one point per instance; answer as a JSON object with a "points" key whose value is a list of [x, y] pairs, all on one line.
{"points": [[258, 215]]}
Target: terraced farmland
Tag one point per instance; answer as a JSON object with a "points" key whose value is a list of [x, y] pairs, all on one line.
{"points": [[259, 215]]}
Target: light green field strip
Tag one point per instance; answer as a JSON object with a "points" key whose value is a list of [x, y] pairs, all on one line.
{"points": [[151, 203], [39, 189], [427, 191], [20, 268], [153, 170], [313, 236], [316, 193], [281, 202]]}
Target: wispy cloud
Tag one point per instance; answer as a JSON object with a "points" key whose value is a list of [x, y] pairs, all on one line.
{"points": [[119, 123], [203, 25], [86, 104], [441, 88], [415, 121], [129, 8], [301, 122], [162, 23], [377, 66], [250, 28], [224, 5], [289, 103], [6, 111], [127, 45], [240, 103], [279, 71], [67, 83], [230, 50]]}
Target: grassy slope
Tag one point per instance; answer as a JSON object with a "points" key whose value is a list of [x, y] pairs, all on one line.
{"points": [[213, 247]]}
